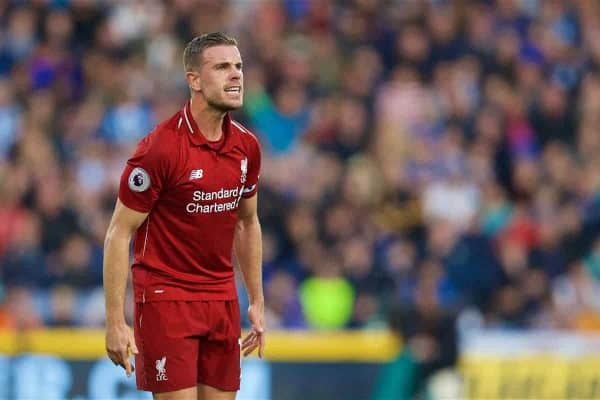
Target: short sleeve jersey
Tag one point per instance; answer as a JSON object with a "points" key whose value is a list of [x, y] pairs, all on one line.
{"points": [[191, 189]]}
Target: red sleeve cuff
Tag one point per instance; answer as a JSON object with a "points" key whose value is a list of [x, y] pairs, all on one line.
{"points": [[249, 191], [129, 203]]}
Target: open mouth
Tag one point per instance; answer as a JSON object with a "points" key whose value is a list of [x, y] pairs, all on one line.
{"points": [[234, 89]]}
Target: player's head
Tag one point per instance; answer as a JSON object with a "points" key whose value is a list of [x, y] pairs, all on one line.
{"points": [[213, 69]]}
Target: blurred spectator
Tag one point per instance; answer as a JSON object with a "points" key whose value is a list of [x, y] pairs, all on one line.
{"points": [[10, 118], [282, 119], [23, 262], [12, 211], [398, 262], [62, 306], [592, 260], [431, 346], [283, 305], [18, 310], [59, 221], [126, 122], [577, 298], [327, 298], [73, 265], [19, 37], [455, 201]]}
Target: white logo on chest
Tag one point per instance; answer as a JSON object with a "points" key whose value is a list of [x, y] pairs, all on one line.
{"points": [[196, 174], [161, 371], [243, 169]]}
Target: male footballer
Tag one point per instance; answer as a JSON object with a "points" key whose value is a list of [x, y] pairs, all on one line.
{"points": [[188, 198]]}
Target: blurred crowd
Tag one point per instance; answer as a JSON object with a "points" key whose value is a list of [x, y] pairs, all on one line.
{"points": [[441, 155]]}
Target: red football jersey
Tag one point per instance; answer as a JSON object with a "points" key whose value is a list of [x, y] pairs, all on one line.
{"points": [[191, 189]]}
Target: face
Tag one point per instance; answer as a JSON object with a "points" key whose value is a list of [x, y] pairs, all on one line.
{"points": [[219, 79]]}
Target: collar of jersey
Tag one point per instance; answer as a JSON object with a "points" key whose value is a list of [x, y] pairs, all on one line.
{"points": [[188, 124]]}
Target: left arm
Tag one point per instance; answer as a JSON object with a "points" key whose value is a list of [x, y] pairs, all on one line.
{"points": [[248, 250]]}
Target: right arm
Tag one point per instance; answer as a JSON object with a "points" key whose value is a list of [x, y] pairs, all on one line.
{"points": [[119, 337]]}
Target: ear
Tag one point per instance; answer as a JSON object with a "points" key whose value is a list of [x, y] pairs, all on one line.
{"points": [[193, 80]]}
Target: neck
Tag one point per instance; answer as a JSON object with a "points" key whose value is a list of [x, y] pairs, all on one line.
{"points": [[209, 120]]}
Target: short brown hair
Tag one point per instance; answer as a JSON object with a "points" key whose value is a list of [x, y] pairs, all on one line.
{"points": [[193, 50]]}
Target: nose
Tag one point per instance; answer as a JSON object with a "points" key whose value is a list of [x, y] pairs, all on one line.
{"points": [[236, 75]]}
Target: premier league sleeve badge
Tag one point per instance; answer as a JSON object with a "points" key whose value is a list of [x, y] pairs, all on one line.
{"points": [[139, 180]]}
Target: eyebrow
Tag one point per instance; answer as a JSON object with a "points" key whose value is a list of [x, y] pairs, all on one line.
{"points": [[226, 63]]}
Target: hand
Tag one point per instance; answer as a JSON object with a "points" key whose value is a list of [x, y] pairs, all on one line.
{"points": [[120, 344], [256, 337]]}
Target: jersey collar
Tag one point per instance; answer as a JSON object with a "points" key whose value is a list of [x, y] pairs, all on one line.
{"points": [[188, 124]]}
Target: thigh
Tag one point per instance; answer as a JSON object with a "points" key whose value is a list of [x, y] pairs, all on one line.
{"points": [[183, 394], [206, 392], [167, 359], [219, 361]]}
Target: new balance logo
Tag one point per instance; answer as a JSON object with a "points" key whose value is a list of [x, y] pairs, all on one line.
{"points": [[161, 371], [196, 174]]}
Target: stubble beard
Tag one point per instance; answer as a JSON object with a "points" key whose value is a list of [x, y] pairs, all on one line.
{"points": [[222, 106]]}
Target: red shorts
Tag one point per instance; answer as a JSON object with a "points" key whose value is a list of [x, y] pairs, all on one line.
{"points": [[183, 343]]}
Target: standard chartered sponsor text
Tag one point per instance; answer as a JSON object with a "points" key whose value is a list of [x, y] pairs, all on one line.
{"points": [[200, 196]]}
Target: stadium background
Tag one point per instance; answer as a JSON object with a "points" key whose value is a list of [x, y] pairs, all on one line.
{"points": [[432, 164]]}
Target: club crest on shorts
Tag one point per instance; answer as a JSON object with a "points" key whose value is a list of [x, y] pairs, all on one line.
{"points": [[244, 169], [161, 370], [139, 180]]}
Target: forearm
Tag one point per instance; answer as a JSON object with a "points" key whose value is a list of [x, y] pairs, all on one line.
{"points": [[248, 249], [115, 274]]}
